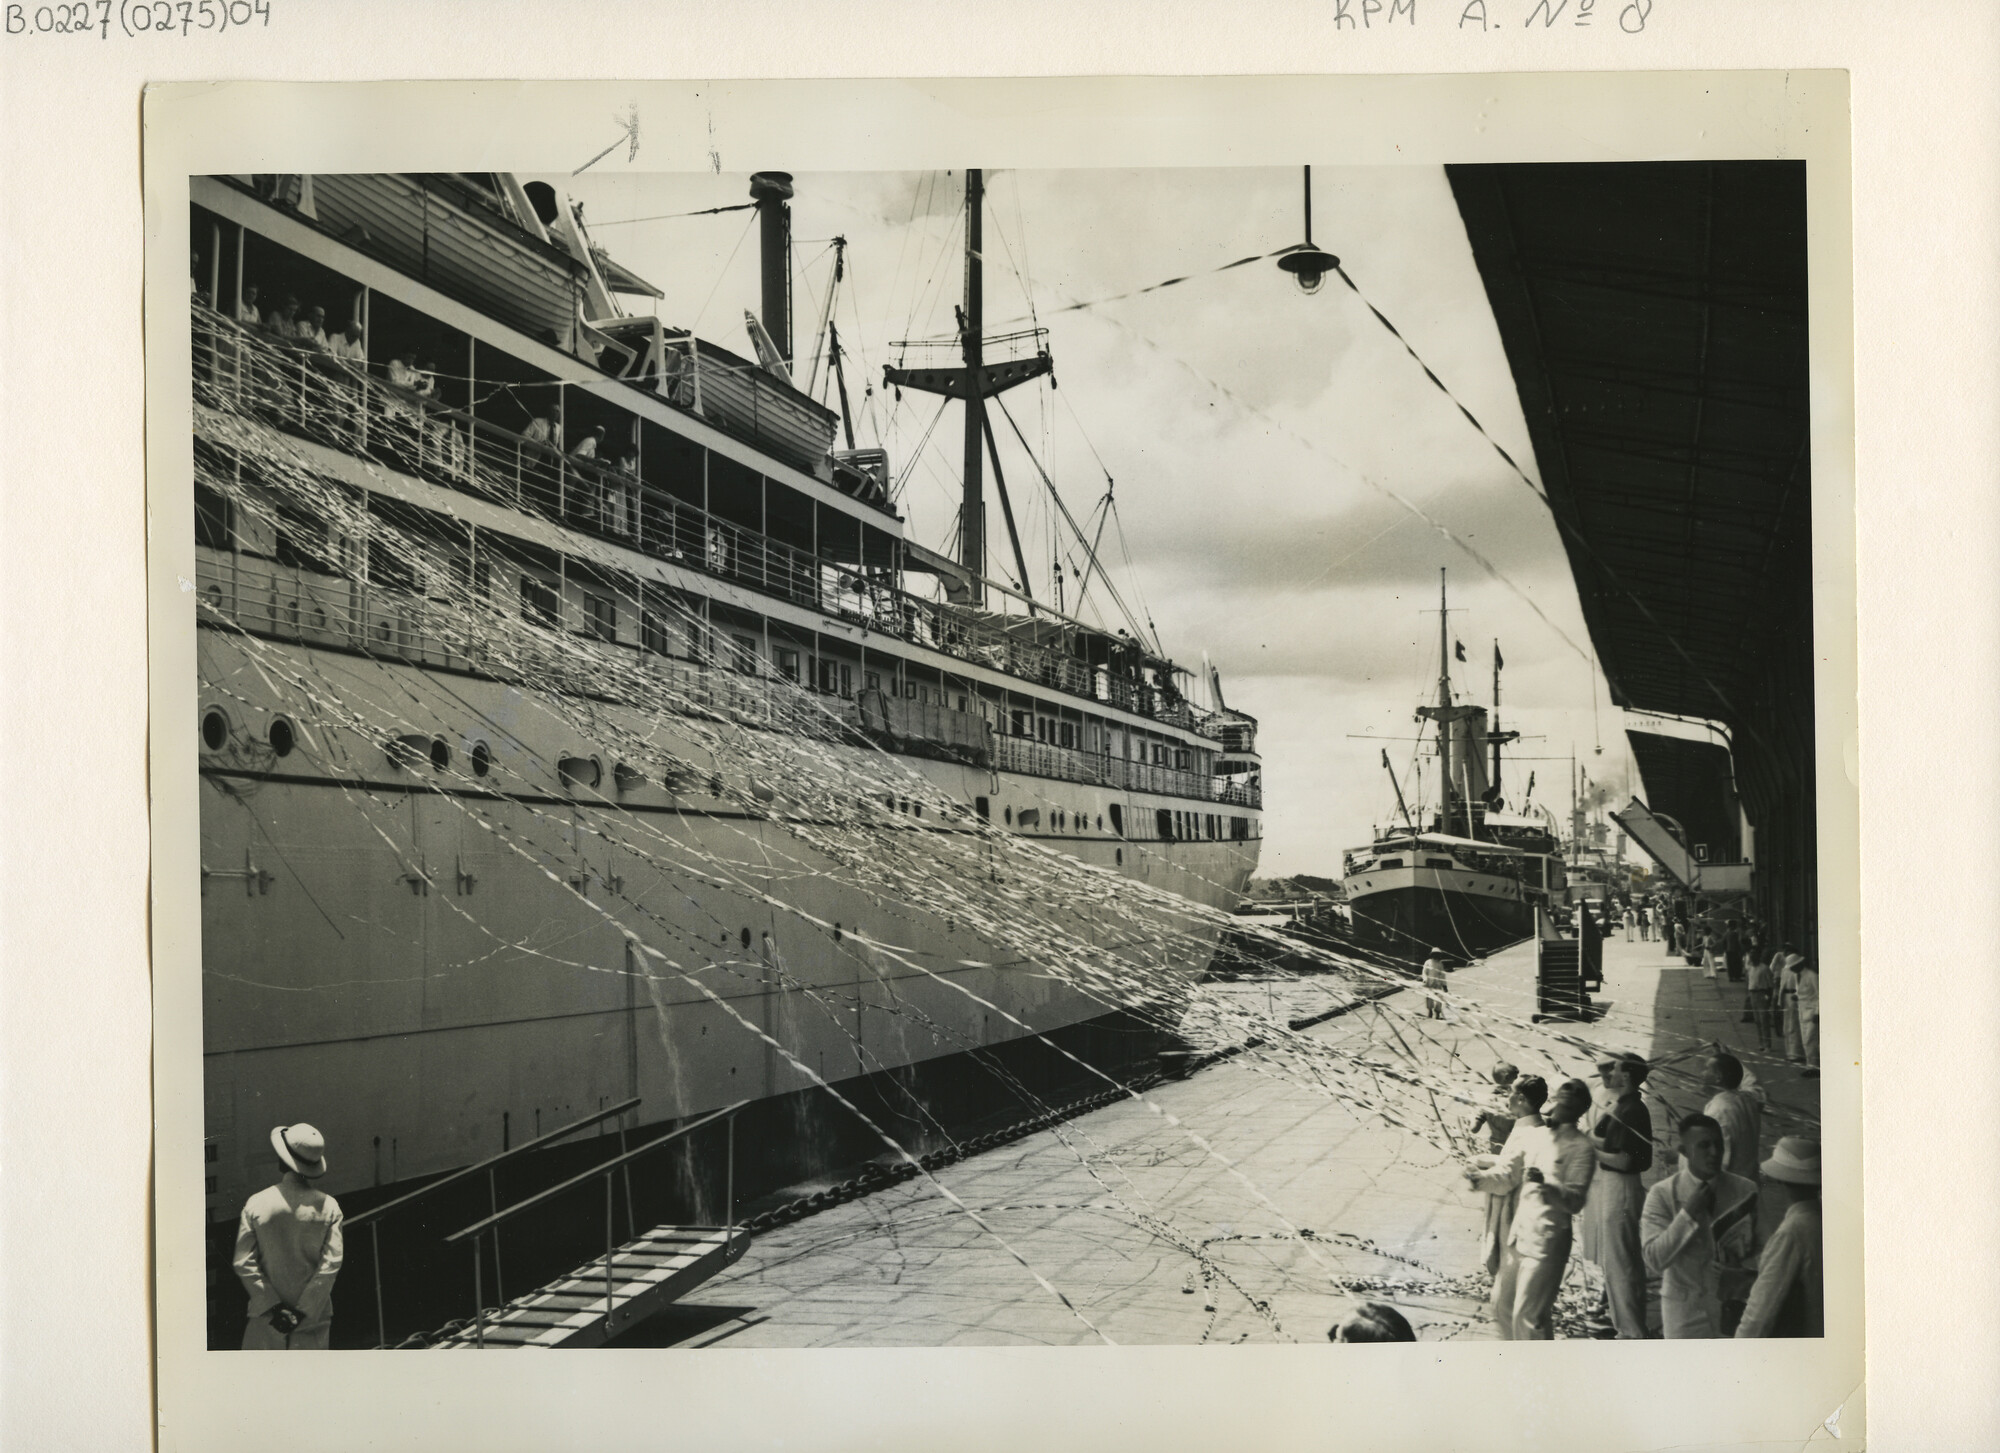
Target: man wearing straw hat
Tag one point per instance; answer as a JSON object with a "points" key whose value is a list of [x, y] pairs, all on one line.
{"points": [[288, 1250], [1788, 1298]]}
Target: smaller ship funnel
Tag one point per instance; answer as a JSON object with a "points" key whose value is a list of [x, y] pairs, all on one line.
{"points": [[773, 194]]}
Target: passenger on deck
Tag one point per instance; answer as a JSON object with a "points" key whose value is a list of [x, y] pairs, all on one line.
{"points": [[1788, 1298], [545, 429], [246, 307], [349, 346], [427, 381], [1372, 1322], [312, 328], [288, 1250], [1736, 1111], [1552, 1166], [284, 319], [586, 447], [1699, 1233], [1622, 1137]]}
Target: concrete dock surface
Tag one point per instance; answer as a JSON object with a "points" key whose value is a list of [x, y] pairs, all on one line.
{"points": [[1304, 1201]]}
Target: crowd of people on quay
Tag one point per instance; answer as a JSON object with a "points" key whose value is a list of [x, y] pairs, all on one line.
{"points": [[1683, 1257], [1780, 985]]}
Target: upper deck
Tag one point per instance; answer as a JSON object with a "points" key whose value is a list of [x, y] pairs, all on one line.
{"points": [[444, 387]]}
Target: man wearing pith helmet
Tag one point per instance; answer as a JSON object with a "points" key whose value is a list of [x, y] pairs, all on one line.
{"points": [[288, 1250]]}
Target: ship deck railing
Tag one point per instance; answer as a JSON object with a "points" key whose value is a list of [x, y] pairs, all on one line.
{"points": [[293, 603], [1034, 758], [305, 391]]}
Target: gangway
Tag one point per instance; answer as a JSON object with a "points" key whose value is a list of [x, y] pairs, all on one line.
{"points": [[607, 1294], [1664, 847], [374, 1217]]}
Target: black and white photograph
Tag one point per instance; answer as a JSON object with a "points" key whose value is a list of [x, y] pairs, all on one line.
{"points": [[798, 751]]}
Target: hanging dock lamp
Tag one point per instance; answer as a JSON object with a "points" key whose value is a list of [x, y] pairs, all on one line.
{"points": [[1306, 263]]}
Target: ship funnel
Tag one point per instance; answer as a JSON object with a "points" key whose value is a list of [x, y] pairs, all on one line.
{"points": [[773, 194]]}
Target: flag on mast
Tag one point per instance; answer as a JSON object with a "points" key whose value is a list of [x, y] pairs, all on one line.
{"points": [[1458, 649], [1497, 662]]}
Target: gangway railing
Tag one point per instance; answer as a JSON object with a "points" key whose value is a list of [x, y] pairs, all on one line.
{"points": [[373, 1217], [491, 1225]]}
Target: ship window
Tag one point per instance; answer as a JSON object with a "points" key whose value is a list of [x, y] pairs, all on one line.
{"points": [[653, 632], [538, 600], [1166, 824], [600, 616], [214, 731], [910, 690], [1390, 863], [984, 808], [1439, 863], [482, 759], [1118, 825], [746, 938], [211, 518], [282, 741], [788, 662], [872, 681], [1069, 734], [1008, 813], [745, 653], [440, 754]]}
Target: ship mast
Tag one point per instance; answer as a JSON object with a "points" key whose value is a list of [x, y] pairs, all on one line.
{"points": [[1444, 708], [975, 382], [972, 509]]}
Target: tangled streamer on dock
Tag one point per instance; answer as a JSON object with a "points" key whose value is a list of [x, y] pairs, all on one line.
{"points": [[798, 794]]}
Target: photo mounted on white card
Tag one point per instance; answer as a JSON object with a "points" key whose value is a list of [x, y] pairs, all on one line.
{"points": [[1222, 728]]}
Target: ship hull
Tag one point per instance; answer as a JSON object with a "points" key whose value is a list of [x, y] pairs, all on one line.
{"points": [[431, 972], [1406, 913]]}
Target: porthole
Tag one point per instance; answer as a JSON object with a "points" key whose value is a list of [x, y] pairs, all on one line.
{"points": [[214, 730], [440, 755], [746, 938], [1009, 815], [482, 759], [282, 738], [1121, 857]]}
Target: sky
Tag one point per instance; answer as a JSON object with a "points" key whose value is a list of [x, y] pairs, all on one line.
{"points": [[1266, 445]]}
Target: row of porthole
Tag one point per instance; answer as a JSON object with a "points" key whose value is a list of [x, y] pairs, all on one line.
{"points": [[217, 731], [282, 738]]}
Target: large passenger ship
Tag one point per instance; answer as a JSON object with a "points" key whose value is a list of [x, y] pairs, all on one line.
{"points": [[426, 928]]}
